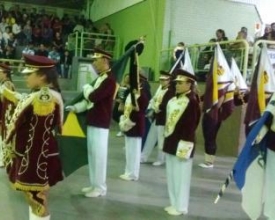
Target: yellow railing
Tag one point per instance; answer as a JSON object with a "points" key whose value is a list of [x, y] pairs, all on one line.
{"points": [[239, 49], [256, 50], [83, 43], [15, 65]]}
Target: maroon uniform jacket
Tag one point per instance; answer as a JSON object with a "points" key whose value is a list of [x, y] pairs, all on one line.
{"points": [[160, 117], [138, 117], [34, 163], [100, 114], [185, 126]]}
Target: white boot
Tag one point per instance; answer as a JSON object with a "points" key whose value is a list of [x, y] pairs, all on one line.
{"points": [[35, 217]]}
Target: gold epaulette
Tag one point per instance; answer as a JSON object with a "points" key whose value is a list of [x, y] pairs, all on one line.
{"points": [[43, 102], [10, 95]]}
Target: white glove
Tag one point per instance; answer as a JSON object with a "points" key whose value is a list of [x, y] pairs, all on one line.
{"points": [[70, 108], [87, 90]]}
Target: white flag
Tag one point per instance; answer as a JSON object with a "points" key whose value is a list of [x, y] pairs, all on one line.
{"points": [[187, 63], [238, 78]]}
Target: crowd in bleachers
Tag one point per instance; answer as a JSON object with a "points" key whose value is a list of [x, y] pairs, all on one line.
{"points": [[233, 49], [43, 34]]}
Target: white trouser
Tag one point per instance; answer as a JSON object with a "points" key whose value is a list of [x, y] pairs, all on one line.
{"points": [[160, 133], [97, 141], [269, 209], [132, 152], [178, 181], [150, 141]]}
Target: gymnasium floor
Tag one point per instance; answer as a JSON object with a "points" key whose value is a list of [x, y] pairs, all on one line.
{"points": [[143, 199]]}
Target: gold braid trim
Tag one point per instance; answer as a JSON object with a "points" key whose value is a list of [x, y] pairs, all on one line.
{"points": [[29, 187], [37, 208], [43, 103]]}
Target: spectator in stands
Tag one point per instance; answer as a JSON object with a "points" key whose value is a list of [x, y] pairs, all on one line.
{"points": [[267, 33], [9, 52], [36, 34], [204, 60], [248, 38], [27, 30], [42, 51], [108, 40], [10, 19], [46, 21], [16, 29], [89, 26], [12, 41], [28, 49], [241, 36], [55, 55], [67, 27], [78, 27], [58, 42], [47, 35], [24, 19], [178, 50], [57, 26], [221, 36], [237, 48], [3, 25], [6, 35], [66, 64], [176, 54]]}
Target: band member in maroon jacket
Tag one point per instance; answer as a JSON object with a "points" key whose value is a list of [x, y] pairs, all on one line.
{"points": [[7, 105], [132, 122], [33, 162], [98, 102], [182, 119], [157, 112]]}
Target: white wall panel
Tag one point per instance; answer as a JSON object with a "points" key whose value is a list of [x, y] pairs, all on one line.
{"points": [[196, 21]]}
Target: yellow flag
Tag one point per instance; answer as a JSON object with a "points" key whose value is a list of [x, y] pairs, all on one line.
{"points": [[71, 127]]}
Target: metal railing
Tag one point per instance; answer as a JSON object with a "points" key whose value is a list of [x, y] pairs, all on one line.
{"points": [[239, 49], [84, 42], [256, 50]]}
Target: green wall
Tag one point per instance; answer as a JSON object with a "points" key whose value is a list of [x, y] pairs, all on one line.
{"points": [[145, 18], [148, 18]]}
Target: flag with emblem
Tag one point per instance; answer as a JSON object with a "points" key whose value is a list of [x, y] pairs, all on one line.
{"points": [[218, 85], [72, 142], [262, 86], [249, 169], [187, 63]]}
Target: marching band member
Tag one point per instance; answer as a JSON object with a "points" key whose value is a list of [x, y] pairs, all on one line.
{"points": [[33, 162], [182, 119], [157, 111], [98, 102], [132, 122]]}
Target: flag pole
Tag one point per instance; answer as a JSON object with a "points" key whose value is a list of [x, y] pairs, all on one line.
{"points": [[224, 186], [178, 60]]}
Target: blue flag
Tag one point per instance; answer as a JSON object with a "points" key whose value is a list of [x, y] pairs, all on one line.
{"points": [[248, 171]]}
